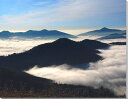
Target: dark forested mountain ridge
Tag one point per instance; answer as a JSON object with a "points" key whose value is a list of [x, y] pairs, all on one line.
{"points": [[19, 84], [118, 43], [18, 80], [61, 51]]}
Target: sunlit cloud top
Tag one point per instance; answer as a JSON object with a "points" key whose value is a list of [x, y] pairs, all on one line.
{"points": [[61, 14]]}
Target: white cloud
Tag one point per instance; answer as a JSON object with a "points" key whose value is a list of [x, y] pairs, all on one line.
{"points": [[113, 40], [14, 45], [110, 72], [18, 45]]}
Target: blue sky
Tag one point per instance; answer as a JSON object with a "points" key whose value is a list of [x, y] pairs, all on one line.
{"points": [[73, 16]]}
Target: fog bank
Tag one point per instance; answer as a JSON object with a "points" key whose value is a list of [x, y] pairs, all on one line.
{"points": [[110, 72]]}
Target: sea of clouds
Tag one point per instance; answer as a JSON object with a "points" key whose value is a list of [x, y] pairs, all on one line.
{"points": [[18, 45], [15, 45], [110, 72], [10, 46]]}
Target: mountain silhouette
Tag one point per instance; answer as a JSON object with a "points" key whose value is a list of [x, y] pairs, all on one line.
{"points": [[5, 34], [102, 32], [47, 34], [20, 79], [19, 84], [114, 36], [93, 44], [118, 43], [61, 51]]}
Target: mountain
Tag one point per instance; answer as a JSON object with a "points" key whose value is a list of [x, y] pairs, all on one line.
{"points": [[102, 32], [93, 44], [37, 34], [5, 34], [18, 80], [118, 43], [19, 84], [114, 36], [45, 34], [61, 51]]}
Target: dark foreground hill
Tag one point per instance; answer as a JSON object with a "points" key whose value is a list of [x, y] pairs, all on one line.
{"points": [[61, 51], [19, 84], [118, 43], [10, 78]]}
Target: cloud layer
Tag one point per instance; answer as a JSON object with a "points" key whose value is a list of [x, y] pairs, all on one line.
{"points": [[110, 72], [18, 45], [14, 45]]}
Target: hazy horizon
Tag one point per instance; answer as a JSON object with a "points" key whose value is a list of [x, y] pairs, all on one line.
{"points": [[71, 16], [73, 32]]}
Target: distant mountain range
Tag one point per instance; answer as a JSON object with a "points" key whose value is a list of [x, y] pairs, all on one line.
{"points": [[37, 34], [55, 34], [61, 51], [102, 32], [114, 36]]}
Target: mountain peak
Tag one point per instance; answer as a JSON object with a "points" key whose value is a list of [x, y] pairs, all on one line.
{"points": [[30, 30], [102, 32], [44, 30], [105, 28], [64, 40], [5, 32]]}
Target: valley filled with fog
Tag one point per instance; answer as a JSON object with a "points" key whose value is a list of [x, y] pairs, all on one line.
{"points": [[63, 48], [109, 72]]}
